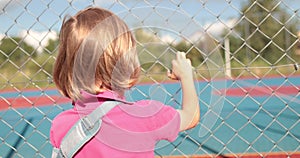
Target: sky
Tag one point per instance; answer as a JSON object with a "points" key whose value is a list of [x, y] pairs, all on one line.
{"points": [[37, 21]]}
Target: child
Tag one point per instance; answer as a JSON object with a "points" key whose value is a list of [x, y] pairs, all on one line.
{"points": [[96, 63]]}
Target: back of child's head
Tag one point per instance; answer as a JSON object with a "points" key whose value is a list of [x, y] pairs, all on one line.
{"points": [[96, 51]]}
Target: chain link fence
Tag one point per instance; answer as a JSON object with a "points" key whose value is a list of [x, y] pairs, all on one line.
{"points": [[245, 54]]}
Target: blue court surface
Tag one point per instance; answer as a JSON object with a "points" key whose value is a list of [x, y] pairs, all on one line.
{"points": [[238, 123]]}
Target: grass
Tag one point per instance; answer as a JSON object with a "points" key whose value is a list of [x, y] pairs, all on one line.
{"points": [[21, 81], [37, 73]]}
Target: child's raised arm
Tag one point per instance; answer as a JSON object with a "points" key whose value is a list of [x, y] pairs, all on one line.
{"points": [[182, 70]]}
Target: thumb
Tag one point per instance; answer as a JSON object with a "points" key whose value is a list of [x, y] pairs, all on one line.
{"points": [[171, 75]]}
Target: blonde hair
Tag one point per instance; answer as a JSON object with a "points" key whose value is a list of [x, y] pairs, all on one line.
{"points": [[96, 51]]}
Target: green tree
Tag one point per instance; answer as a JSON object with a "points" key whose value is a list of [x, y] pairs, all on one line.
{"points": [[52, 47], [265, 30], [192, 50], [46, 59], [16, 50], [155, 55]]}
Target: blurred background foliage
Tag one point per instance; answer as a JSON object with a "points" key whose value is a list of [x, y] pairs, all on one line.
{"points": [[263, 37]]}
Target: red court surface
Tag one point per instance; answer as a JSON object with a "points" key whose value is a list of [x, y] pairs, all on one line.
{"points": [[262, 91], [256, 91], [21, 102]]}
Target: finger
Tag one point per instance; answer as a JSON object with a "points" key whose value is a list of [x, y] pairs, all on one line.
{"points": [[174, 63], [189, 61], [181, 55]]}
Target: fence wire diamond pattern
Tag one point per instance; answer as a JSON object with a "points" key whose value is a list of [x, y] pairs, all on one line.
{"points": [[245, 54]]}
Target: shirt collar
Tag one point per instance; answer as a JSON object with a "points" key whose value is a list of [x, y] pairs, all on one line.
{"points": [[89, 101], [105, 95]]}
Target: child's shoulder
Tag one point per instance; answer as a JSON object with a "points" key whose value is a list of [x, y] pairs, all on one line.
{"points": [[148, 102], [61, 124], [145, 104], [153, 103], [148, 108], [64, 119], [65, 116]]}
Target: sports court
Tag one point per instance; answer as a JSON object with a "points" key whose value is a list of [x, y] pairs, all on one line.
{"points": [[255, 119]]}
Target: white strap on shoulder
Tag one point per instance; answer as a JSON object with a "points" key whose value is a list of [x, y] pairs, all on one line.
{"points": [[55, 153], [83, 131]]}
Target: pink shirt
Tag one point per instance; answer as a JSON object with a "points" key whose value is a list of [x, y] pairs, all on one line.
{"points": [[128, 130]]}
